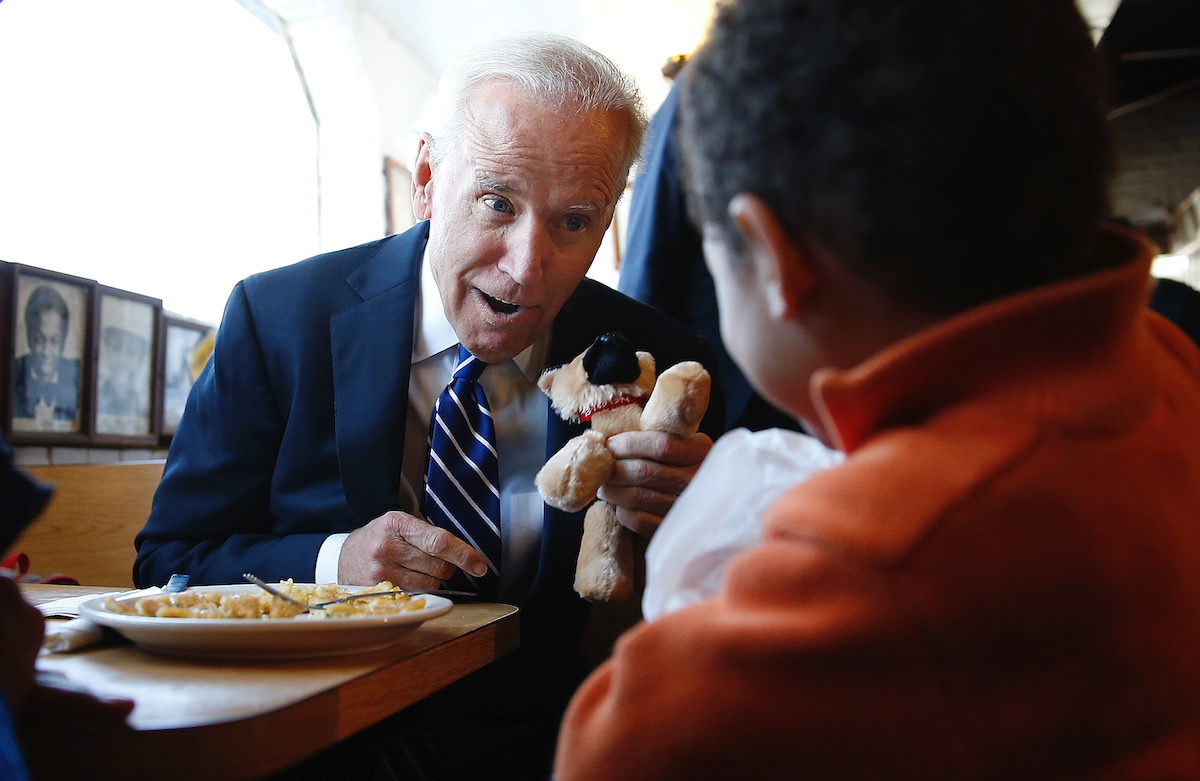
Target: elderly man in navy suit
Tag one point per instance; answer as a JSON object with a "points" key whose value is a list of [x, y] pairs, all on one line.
{"points": [[303, 447]]}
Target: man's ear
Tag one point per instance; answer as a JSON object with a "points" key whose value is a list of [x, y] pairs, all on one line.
{"points": [[780, 263], [422, 178]]}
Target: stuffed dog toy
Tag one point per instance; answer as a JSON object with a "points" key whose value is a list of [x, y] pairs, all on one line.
{"points": [[613, 387]]}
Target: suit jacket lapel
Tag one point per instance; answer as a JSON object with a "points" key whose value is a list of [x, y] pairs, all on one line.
{"points": [[372, 349]]}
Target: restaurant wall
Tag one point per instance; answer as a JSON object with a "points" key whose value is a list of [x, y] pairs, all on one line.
{"points": [[1158, 157], [27, 455], [401, 83], [1158, 178], [366, 90]]}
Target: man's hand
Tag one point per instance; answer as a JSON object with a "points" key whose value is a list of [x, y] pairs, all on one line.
{"points": [[652, 469], [406, 550]]}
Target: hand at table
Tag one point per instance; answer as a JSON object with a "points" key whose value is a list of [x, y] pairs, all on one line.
{"points": [[652, 469], [408, 551], [21, 628], [54, 700]]}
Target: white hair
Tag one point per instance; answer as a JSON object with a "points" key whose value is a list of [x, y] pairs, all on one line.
{"points": [[557, 70]]}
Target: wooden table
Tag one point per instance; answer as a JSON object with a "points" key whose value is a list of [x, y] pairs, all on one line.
{"points": [[208, 719]]}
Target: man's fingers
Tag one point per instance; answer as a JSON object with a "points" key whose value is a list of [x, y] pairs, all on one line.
{"points": [[661, 447], [388, 555], [640, 500], [415, 559], [444, 546], [407, 551], [652, 468], [641, 523], [636, 473]]}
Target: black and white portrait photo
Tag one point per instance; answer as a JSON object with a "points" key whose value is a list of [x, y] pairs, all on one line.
{"points": [[124, 365], [48, 345], [178, 370]]}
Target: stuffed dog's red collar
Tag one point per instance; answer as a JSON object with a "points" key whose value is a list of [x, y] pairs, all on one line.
{"points": [[620, 401]]}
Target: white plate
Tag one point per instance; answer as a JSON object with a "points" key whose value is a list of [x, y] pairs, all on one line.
{"points": [[301, 637]]}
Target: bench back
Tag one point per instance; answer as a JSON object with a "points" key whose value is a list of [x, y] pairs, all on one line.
{"points": [[87, 529]]}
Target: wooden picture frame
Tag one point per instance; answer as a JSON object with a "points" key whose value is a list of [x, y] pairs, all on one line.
{"points": [[48, 378], [6, 305], [178, 337], [125, 334], [5, 341]]}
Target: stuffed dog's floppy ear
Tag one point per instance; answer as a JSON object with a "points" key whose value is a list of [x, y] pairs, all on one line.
{"points": [[546, 381]]}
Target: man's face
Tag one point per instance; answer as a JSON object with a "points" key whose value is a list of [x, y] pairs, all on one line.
{"points": [[46, 342], [516, 214]]}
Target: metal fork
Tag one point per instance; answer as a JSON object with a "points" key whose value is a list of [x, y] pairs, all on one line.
{"points": [[322, 605]]}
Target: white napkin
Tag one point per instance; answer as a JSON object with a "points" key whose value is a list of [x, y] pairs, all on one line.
{"points": [[719, 514], [63, 636]]}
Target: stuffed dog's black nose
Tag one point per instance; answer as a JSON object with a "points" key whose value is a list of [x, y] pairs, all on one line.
{"points": [[610, 360]]}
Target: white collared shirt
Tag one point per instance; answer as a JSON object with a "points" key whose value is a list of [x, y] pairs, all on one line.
{"points": [[519, 410]]}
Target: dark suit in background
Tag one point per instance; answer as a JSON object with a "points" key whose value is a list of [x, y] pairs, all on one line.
{"points": [[1179, 303]]}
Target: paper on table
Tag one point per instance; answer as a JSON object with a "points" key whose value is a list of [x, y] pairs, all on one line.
{"points": [[719, 514], [68, 607]]}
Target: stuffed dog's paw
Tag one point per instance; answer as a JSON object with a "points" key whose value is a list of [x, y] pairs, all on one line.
{"points": [[571, 477], [604, 571], [679, 400]]}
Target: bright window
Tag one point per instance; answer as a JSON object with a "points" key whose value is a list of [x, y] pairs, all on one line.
{"points": [[158, 146]]}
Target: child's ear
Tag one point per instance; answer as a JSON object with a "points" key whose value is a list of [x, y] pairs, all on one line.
{"points": [[780, 262]]}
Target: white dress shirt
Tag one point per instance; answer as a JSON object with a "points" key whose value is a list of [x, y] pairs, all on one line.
{"points": [[519, 410]]}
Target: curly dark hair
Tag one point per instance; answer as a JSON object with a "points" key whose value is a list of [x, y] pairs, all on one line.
{"points": [[953, 150]]}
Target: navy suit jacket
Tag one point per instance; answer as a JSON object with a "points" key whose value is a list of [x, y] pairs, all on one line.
{"points": [[295, 428], [1180, 303]]}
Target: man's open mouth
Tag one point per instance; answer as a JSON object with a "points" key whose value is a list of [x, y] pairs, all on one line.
{"points": [[498, 305]]}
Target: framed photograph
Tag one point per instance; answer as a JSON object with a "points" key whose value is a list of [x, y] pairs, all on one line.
{"points": [[179, 365], [48, 331], [125, 343], [6, 305]]}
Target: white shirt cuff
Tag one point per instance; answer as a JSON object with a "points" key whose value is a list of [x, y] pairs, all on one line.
{"points": [[327, 558]]}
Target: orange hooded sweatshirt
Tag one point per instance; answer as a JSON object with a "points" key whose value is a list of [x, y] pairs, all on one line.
{"points": [[1002, 581]]}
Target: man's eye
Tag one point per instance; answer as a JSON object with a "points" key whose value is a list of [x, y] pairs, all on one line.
{"points": [[576, 223], [499, 205]]}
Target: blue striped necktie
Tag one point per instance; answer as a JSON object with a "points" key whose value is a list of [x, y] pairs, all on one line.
{"points": [[462, 485]]}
